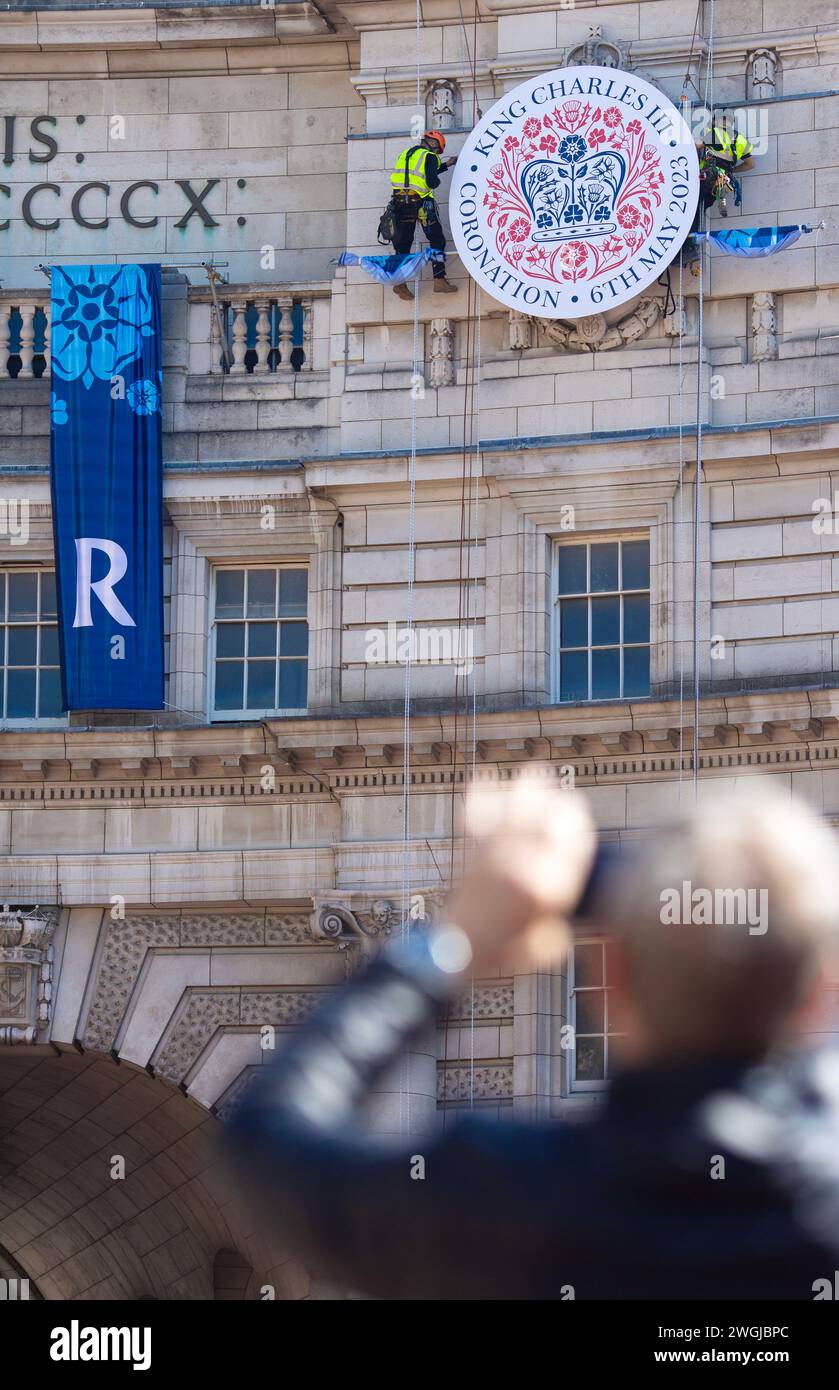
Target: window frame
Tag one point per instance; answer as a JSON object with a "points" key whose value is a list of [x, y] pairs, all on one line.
{"points": [[215, 716], [30, 721], [589, 539], [575, 1087]]}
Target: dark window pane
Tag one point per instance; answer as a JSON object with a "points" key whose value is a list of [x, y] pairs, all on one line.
{"points": [[590, 1011], [230, 593], [262, 593], [261, 684], [49, 646], [294, 639], [49, 700], [636, 564], [605, 673], [22, 646], [573, 676], [573, 622], [293, 676], [604, 567], [48, 608], [572, 569], [230, 639], [636, 618], [230, 677], [605, 620], [588, 965], [590, 1059], [23, 596], [20, 695], [262, 639], [636, 671], [293, 593]]}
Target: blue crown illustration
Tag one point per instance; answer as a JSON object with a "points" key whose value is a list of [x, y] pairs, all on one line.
{"points": [[574, 195]]}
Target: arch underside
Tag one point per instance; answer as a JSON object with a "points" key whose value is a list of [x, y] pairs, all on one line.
{"points": [[171, 1228]]}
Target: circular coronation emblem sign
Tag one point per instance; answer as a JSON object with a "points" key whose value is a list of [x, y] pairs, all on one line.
{"points": [[574, 192]]}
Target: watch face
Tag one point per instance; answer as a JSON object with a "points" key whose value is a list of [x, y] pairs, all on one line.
{"points": [[574, 192]]}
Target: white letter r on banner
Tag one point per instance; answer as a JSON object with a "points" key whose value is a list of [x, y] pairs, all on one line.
{"points": [[102, 588]]}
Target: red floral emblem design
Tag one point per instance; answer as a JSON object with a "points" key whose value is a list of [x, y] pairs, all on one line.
{"points": [[573, 199]]}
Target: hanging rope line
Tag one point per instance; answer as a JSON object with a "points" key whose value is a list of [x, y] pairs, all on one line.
{"points": [[680, 528], [697, 509]]}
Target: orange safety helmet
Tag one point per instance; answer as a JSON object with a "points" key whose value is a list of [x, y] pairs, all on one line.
{"points": [[438, 136]]}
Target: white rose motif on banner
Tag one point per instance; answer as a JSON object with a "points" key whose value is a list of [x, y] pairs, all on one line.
{"points": [[574, 192]]}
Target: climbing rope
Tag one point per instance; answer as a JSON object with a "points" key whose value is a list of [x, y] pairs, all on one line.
{"points": [[697, 509]]}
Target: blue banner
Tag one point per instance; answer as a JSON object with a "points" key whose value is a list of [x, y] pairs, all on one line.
{"points": [[395, 269], [106, 473], [753, 241]]}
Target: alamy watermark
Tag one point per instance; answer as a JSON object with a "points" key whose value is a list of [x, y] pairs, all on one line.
{"points": [[397, 645], [722, 907]]}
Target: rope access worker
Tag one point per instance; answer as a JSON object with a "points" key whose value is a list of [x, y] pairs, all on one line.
{"points": [[415, 176], [723, 151]]}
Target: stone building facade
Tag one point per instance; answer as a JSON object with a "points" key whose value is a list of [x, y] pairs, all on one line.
{"points": [[177, 884]]}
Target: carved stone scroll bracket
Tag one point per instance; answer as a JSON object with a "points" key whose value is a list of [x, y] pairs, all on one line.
{"points": [[26, 963], [362, 921]]}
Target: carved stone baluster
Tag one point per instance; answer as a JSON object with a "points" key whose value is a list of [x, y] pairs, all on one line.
{"points": [[307, 333], [5, 315], [47, 308], [27, 340], [216, 355], [240, 337], [286, 333], [263, 336]]}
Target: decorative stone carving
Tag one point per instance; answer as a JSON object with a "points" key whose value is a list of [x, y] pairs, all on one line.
{"points": [[764, 327], [361, 924], [441, 353], [128, 940], [490, 1001], [676, 321], [595, 334], [204, 1011], [762, 72], [520, 331], [26, 958], [463, 1082], [441, 105], [595, 51]]}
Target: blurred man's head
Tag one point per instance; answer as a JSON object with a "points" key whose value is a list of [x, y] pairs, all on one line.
{"points": [[725, 923]]}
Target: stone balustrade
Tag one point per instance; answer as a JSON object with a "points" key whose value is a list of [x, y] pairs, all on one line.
{"points": [[268, 330], [256, 330], [24, 333]]}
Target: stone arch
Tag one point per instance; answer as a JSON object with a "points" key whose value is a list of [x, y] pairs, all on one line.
{"points": [[232, 1274], [78, 1231]]}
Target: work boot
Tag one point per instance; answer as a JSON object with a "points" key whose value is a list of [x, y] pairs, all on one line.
{"points": [[402, 291], [444, 286]]}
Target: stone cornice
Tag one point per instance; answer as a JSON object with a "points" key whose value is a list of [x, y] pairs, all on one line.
{"points": [[322, 758]]}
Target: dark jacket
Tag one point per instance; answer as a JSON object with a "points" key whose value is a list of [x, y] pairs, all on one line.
{"points": [[623, 1206]]}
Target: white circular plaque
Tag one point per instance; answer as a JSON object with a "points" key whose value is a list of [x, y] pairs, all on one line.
{"points": [[574, 192]]}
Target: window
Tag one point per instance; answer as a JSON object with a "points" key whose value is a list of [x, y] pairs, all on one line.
{"points": [[260, 641], [603, 620], [29, 650], [593, 1015]]}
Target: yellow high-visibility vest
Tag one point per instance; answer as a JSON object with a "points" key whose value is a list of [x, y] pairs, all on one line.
{"points": [[411, 162], [733, 149]]}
